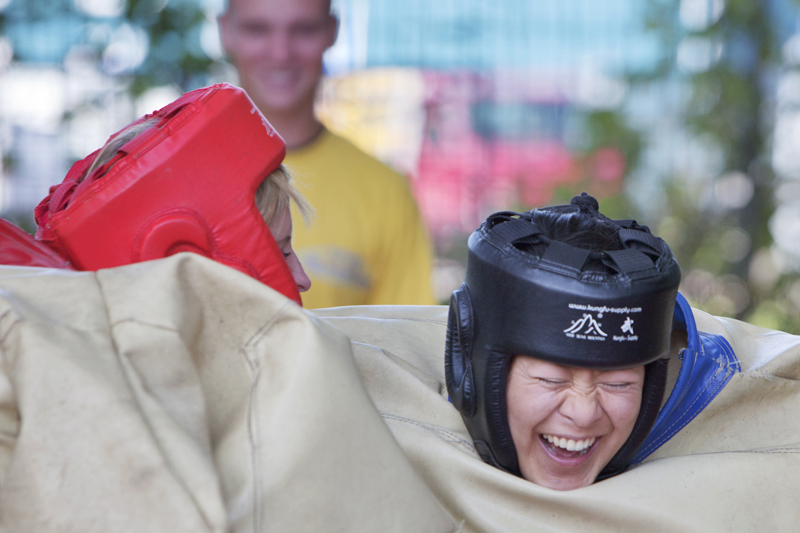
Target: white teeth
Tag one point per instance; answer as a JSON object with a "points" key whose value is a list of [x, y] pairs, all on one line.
{"points": [[569, 444]]}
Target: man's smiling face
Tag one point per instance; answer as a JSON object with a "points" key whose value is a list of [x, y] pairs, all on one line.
{"points": [[568, 422], [277, 47]]}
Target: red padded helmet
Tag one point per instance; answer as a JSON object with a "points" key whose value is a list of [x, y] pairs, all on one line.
{"points": [[186, 184], [19, 248]]}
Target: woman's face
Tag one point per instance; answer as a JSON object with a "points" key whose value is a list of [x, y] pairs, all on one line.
{"points": [[281, 229], [568, 422]]}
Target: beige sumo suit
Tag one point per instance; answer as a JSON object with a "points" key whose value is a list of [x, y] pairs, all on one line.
{"points": [[181, 395]]}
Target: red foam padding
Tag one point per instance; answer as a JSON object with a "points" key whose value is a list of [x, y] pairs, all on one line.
{"points": [[19, 248]]}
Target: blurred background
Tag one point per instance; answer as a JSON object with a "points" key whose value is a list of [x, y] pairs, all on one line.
{"points": [[683, 114]]}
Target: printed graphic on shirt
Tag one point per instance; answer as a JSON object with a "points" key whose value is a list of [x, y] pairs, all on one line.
{"points": [[334, 264]]}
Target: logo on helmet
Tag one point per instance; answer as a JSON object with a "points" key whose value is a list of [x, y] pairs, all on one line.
{"points": [[627, 327], [586, 328]]}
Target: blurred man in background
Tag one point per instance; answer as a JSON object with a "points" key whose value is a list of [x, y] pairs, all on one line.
{"points": [[368, 244]]}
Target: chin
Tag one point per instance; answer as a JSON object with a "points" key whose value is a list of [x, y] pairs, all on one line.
{"points": [[277, 100], [562, 483], [271, 100], [559, 480]]}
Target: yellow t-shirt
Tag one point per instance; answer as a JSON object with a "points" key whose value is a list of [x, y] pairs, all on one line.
{"points": [[367, 244]]}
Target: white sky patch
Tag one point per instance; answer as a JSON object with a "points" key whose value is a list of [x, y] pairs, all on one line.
{"points": [[6, 52], [101, 8], [33, 97], [209, 39], [155, 98], [733, 190], [126, 51], [697, 15], [698, 54], [785, 228]]}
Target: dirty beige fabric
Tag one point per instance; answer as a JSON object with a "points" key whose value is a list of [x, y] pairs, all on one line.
{"points": [[181, 395], [736, 467]]}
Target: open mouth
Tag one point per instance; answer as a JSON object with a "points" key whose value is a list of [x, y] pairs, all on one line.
{"points": [[564, 448]]}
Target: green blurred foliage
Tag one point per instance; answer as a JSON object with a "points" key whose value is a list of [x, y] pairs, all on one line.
{"points": [[610, 129], [175, 56], [730, 106]]}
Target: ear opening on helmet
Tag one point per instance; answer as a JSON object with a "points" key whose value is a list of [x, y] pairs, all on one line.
{"points": [[458, 352], [171, 232]]}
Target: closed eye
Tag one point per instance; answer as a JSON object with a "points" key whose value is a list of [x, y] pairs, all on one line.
{"points": [[551, 382], [306, 30], [617, 386]]}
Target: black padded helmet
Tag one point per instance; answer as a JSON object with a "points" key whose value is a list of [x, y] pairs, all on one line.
{"points": [[568, 305]]}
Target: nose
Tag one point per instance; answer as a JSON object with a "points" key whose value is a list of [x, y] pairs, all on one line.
{"points": [[298, 273], [582, 407], [280, 46]]}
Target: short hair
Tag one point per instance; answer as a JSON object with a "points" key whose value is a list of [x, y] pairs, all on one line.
{"points": [[116, 142], [274, 193], [226, 6], [277, 193]]}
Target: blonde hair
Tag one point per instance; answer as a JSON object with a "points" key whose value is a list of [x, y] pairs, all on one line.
{"points": [[116, 142], [273, 195], [276, 193]]}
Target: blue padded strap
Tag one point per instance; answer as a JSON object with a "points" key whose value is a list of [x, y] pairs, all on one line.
{"points": [[707, 365]]}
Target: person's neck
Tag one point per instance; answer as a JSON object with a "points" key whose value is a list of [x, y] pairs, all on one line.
{"points": [[297, 129]]}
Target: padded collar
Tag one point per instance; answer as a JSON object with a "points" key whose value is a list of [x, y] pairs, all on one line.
{"points": [[707, 364]]}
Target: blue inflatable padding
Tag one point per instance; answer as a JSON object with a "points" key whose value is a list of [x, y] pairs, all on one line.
{"points": [[707, 365]]}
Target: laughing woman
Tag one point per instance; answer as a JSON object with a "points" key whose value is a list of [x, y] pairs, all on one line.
{"points": [[558, 342]]}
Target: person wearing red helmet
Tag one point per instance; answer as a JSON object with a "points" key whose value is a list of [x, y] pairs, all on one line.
{"points": [[203, 175]]}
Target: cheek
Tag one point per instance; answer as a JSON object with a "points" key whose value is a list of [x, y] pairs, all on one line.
{"points": [[527, 409], [248, 49], [294, 264], [517, 412], [624, 410], [310, 51]]}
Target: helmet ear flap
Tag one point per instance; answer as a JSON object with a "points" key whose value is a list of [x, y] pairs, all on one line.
{"points": [[170, 232], [458, 353]]}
